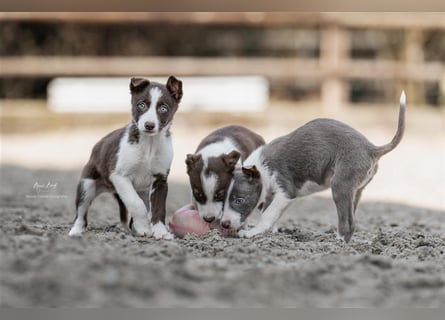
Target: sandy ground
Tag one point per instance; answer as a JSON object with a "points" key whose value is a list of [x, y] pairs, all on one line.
{"points": [[396, 258]]}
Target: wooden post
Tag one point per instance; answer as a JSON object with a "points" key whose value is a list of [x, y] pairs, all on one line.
{"points": [[413, 54], [334, 50]]}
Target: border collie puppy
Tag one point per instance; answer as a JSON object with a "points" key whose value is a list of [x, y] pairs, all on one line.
{"points": [[211, 168], [133, 162]]}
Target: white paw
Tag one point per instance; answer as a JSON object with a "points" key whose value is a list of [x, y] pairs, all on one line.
{"points": [[247, 233], [274, 228], [340, 238], [141, 228], [76, 231], [160, 232]]}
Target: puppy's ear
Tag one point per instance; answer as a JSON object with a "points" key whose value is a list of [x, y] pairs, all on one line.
{"points": [[138, 84], [174, 86], [251, 172], [231, 159], [191, 160]]}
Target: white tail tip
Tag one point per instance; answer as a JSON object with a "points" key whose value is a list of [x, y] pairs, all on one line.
{"points": [[403, 98]]}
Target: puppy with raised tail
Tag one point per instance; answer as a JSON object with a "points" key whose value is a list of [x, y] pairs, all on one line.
{"points": [[133, 162], [211, 168], [321, 154]]}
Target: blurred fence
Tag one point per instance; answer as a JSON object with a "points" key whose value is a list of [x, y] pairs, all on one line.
{"points": [[333, 67]]}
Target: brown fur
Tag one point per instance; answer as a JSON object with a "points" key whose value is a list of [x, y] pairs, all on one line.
{"points": [[104, 156], [222, 166]]}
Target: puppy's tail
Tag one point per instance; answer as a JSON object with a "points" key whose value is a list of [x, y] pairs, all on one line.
{"points": [[380, 151]]}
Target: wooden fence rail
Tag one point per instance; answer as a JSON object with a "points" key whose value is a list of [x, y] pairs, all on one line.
{"points": [[282, 68], [374, 20], [334, 68]]}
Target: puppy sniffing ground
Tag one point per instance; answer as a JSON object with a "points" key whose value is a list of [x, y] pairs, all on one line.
{"points": [[210, 168], [321, 154]]}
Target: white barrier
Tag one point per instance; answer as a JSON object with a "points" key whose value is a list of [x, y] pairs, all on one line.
{"points": [[112, 95]]}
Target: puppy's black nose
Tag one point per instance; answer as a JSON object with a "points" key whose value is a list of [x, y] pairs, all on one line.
{"points": [[208, 219], [149, 126], [225, 224]]}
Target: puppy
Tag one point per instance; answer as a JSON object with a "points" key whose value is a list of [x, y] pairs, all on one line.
{"points": [[133, 162], [321, 154], [211, 168]]}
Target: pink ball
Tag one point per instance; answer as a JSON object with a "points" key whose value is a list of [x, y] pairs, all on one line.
{"points": [[187, 220]]}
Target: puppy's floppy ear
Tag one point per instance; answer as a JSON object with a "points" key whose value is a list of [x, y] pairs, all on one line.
{"points": [[174, 86], [231, 159], [191, 160], [251, 172], [138, 84]]}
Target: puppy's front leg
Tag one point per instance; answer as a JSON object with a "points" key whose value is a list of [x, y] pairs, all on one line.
{"points": [[158, 198], [269, 217], [134, 204]]}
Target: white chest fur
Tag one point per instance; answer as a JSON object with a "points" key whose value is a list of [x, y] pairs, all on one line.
{"points": [[141, 161]]}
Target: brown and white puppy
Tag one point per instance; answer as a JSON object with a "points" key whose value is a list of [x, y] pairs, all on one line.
{"points": [[133, 162], [324, 153], [211, 168]]}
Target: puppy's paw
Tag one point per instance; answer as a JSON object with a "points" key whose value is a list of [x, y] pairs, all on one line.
{"points": [[242, 233], [344, 238], [140, 228], [160, 232], [76, 231], [339, 238], [247, 233], [274, 228]]}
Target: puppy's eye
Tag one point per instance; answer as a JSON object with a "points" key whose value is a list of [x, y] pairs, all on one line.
{"points": [[162, 108], [141, 105], [198, 194], [239, 201]]}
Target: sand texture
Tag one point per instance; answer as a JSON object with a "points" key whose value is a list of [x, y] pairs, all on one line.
{"points": [[396, 258]]}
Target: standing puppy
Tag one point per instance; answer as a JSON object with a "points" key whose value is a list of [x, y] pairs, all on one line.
{"points": [[211, 168], [321, 154], [133, 162]]}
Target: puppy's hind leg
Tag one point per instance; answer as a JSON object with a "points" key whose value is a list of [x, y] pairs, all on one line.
{"points": [[367, 180], [86, 192], [343, 195], [358, 193], [123, 213]]}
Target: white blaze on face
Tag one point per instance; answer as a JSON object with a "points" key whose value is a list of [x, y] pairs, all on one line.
{"points": [[210, 208], [234, 218], [209, 183], [151, 114], [229, 214]]}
